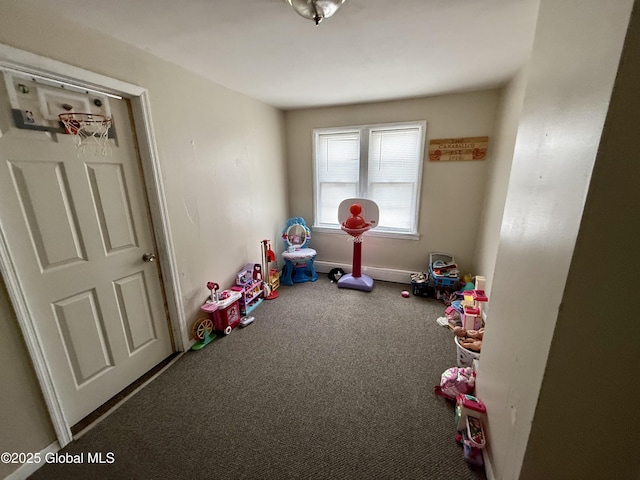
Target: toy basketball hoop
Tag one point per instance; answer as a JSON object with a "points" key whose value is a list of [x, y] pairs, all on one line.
{"points": [[90, 131], [357, 216]]}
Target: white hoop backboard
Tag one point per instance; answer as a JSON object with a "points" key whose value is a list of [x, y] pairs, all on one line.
{"points": [[370, 212], [37, 102]]}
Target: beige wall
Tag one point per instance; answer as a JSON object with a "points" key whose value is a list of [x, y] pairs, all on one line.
{"points": [[569, 82], [241, 146], [222, 157], [452, 193], [586, 393], [224, 174], [486, 247], [24, 421]]}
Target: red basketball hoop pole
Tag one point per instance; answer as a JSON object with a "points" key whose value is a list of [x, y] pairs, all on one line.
{"points": [[356, 234], [357, 259]]}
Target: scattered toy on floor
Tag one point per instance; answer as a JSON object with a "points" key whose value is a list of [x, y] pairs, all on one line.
{"points": [[418, 277], [244, 321], [456, 381]]}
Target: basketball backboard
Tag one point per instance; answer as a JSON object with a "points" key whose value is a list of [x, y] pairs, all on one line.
{"points": [[369, 213]]}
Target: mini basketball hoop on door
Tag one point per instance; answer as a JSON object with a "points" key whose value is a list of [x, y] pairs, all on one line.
{"points": [[90, 131]]}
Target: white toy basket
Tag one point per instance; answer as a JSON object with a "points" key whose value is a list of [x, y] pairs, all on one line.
{"points": [[465, 356]]}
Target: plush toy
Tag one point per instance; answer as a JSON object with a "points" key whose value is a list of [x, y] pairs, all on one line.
{"points": [[468, 286], [467, 278], [457, 381]]}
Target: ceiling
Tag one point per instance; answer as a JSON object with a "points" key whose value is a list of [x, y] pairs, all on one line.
{"points": [[370, 50]]}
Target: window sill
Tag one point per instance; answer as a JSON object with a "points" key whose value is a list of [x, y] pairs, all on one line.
{"points": [[370, 233]]}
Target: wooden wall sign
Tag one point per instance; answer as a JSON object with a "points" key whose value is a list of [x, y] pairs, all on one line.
{"points": [[457, 149]]}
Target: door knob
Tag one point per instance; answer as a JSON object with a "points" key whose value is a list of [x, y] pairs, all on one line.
{"points": [[149, 257]]}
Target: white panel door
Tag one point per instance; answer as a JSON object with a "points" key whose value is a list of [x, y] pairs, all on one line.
{"points": [[77, 228]]}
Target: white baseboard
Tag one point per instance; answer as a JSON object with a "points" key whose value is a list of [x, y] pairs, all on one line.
{"points": [[377, 273], [27, 469]]}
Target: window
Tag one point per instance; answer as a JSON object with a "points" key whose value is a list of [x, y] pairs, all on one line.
{"points": [[380, 162]]}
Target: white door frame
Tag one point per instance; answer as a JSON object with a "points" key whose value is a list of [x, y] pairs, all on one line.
{"points": [[20, 60]]}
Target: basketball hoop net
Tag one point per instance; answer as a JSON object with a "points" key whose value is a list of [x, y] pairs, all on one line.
{"points": [[90, 131], [355, 234]]}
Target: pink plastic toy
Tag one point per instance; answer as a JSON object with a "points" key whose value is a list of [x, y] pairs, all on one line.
{"points": [[468, 405], [214, 287], [225, 313], [469, 413], [456, 381]]}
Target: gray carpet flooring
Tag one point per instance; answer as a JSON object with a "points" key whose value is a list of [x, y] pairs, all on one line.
{"points": [[327, 383]]}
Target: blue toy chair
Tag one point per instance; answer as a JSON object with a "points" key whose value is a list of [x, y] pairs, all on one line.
{"points": [[298, 258]]}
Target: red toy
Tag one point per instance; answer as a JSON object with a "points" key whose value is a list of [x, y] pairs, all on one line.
{"points": [[364, 216], [225, 313], [469, 413], [355, 221]]}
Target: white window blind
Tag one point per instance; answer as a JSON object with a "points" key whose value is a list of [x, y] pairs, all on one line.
{"points": [[394, 161], [380, 162], [337, 172]]}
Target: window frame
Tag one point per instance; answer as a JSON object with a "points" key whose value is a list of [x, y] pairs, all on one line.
{"points": [[364, 132]]}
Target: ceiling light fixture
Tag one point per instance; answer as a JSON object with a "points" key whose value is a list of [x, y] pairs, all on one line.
{"points": [[316, 10]]}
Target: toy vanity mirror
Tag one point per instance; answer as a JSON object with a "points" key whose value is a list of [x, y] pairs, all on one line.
{"points": [[298, 257], [296, 235]]}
